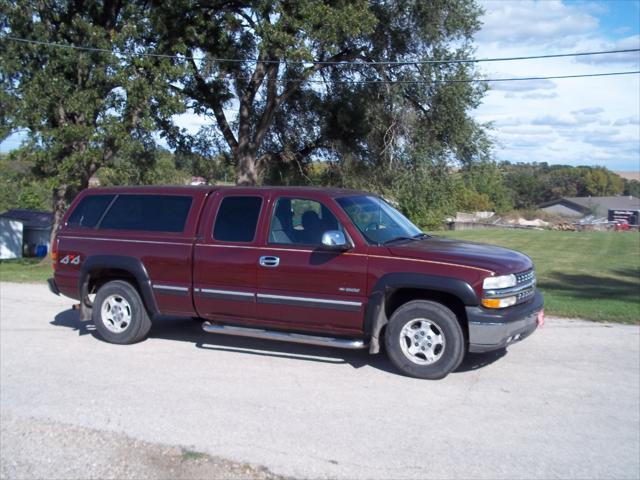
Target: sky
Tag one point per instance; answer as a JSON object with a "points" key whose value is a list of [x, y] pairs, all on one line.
{"points": [[581, 121]]}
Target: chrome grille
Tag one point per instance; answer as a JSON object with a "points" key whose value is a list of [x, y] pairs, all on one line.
{"points": [[525, 277]]}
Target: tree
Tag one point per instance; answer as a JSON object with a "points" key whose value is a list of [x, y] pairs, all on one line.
{"points": [[632, 187], [18, 186], [273, 63], [486, 180], [600, 181], [534, 183], [82, 109]]}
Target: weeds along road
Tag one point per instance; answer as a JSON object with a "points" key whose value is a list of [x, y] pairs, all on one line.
{"points": [[563, 403]]}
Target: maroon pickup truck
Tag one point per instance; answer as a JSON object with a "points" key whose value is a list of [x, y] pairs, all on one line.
{"points": [[330, 267]]}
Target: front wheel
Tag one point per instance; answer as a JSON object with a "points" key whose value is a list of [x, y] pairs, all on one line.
{"points": [[424, 340], [119, 314]]}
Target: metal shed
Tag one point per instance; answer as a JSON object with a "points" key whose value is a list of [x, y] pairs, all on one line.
{"points": [[35, 233]]}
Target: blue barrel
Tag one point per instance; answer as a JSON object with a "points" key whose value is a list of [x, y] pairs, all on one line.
{"points": [[41, 251]]}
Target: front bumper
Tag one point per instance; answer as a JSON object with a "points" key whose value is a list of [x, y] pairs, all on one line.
{"points": [[495, 329]]}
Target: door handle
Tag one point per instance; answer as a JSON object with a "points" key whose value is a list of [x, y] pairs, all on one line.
{"points": [[269, 261]]}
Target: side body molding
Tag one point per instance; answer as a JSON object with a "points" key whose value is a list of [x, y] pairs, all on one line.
{"points": [[375, 315], [134, 266]]}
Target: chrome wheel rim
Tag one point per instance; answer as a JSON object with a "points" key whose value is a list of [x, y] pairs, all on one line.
{"points": [[116, 313], [422, 341]]}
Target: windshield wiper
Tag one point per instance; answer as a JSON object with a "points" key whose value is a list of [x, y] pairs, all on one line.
{"points": [[400, 238]]}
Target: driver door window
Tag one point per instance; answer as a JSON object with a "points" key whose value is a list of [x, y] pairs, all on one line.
{"points": [[298, 221]]}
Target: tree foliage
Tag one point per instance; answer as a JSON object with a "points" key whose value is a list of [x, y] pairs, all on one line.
{"points": [[534, 183], [82, 109], [632, 187], [18, 187], [273, 114]]}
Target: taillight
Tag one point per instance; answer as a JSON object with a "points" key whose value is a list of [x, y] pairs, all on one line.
{"points": [[54, 252]]}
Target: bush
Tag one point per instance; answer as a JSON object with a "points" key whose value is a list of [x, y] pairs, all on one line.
{"points": [[427, 195]]}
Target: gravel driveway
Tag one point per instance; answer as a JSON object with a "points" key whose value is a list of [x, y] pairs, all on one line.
{"points": [[562, 404]]}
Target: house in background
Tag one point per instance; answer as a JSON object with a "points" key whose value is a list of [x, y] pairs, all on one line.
{"points": [[25, 233], [580, 207]]}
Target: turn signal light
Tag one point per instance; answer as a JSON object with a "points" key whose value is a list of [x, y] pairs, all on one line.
{"points": [[491, 302], [498, 302]]}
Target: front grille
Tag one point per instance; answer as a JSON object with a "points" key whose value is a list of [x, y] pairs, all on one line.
{"points": [[525, 295], [526, 277]]}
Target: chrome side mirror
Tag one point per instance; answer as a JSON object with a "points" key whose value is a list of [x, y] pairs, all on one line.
{"points": [[335, 240]]}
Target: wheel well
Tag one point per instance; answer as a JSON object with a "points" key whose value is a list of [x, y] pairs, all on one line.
{"points": [[399, 297], [99, 276]]}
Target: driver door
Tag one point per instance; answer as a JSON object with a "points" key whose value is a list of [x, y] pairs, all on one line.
{"points": [[300, 284]]}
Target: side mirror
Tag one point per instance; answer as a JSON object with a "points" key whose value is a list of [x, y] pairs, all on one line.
{"points": [[335, 240]]}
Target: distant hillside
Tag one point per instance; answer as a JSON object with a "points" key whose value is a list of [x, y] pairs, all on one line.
{"points": [[629, 175]]}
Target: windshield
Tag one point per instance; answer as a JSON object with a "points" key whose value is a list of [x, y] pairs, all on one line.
{"points": [[378, 221]]}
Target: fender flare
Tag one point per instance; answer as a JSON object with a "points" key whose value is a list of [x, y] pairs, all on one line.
{"points": [[132, 265], [375, 314]]}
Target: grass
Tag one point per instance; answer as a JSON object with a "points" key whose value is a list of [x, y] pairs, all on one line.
{"points": [[590, 275], [25, 270]]}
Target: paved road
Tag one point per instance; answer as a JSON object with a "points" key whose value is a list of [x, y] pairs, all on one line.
{"points": [[563, 403]]}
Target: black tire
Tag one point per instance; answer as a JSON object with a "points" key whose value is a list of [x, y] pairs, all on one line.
{"points": [[444, 324], [137, 318]]}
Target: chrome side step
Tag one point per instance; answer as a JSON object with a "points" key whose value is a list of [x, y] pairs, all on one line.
{"points": [[352, 344]]}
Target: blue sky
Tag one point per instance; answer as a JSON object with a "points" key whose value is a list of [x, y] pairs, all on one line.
{"points": [[583, 121], [619, 18]]}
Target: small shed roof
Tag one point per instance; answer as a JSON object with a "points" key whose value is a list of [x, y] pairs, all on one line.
{"points": [[30, 218]]}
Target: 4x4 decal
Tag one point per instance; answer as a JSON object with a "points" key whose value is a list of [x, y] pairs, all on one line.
{"points": [[70, 259]]}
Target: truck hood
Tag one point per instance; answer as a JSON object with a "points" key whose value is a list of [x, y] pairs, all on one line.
{"points": [[490, 257]]}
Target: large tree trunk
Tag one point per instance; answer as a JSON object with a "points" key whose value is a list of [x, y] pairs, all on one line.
{"points": [[247, 171], [60, 203]]}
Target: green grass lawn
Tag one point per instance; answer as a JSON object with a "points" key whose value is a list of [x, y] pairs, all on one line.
{"points": [[591, 275], [25, 270]]}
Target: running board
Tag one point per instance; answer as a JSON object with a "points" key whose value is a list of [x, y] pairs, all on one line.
{"points": [[352, 344]]}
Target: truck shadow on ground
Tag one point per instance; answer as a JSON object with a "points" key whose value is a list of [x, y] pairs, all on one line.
{"points": [[187, 330]]}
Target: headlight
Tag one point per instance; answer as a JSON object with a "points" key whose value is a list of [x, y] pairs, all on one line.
{"points": [[504, 281]]}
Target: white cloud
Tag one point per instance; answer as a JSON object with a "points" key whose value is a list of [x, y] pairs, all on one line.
{"points": [[632, 120], [540, 96], [627, 59], [527, 22], [589, 111], [191, 122], [553, 121], [521, 85], [572, 122], [588, 115], [538, 131]]}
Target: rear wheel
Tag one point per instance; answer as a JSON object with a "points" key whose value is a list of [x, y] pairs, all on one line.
{"points": [[119, 314], [424, 340]]}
